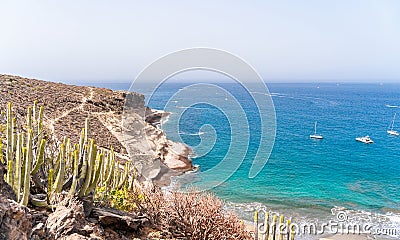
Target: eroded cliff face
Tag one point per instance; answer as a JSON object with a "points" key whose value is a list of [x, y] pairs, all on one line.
{"points": [[158, 157], [131, 130]]}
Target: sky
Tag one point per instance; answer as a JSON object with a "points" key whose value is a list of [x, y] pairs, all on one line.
{"points": [[112, 41]]}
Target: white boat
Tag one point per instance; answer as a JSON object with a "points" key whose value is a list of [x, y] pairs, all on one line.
{"points": [[365, 139], [315, 135], [390, 131]]}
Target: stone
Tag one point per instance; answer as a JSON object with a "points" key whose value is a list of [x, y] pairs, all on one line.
{"points": [[15, 220]]}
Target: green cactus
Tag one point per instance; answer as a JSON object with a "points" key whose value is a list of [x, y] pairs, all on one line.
{"points": [[57, 187], [56, 164], [111, 167], [82, 174], [75, 176], [9, 147], [28, 166], [82, 144], [40, 157], [90, 165], [18, 166], [96, 177], [29, 118], [50, 183], [274, 224], [266, 226], [23, 162], [10, 174], [40, 120], [124, 177], [131, 182], [14, 135], [281, 227], [256, 225]]}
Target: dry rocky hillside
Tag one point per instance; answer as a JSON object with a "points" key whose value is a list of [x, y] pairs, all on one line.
{"points": [[67, 107]]}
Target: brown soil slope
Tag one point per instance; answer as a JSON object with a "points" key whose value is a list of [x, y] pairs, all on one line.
{"points": [[66, 106]]}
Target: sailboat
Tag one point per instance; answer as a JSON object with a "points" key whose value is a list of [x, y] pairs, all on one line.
{"points": [[390, 131], [315, 135]]}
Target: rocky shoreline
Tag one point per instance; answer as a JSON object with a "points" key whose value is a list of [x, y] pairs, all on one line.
{"points": [[119, 119]]}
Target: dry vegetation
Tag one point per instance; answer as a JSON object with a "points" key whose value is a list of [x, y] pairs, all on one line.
{"points": [[181, 215]]}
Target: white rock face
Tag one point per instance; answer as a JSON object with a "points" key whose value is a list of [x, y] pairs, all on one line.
{"points": [[154, 154]]}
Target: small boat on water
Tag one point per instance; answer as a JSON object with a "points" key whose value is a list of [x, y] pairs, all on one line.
{"points": [[365, 139], [315, 135], [390, 131]]}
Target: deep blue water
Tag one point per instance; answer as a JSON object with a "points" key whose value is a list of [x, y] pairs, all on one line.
{"points": [[311, 176]]}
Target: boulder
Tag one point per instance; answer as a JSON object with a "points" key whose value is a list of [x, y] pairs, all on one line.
{"points": [[15, 220]]}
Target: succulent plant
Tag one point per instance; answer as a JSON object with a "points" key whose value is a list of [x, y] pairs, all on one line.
{"points": [[85, 163]]}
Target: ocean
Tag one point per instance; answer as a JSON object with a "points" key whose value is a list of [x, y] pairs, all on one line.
{"points": [[304, 179]]}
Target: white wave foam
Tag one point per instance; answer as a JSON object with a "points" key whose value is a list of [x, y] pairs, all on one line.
{"points": [[183, 107], [391, 106], [192, 134]]}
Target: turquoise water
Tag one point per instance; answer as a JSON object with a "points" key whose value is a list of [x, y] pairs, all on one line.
{"points": [[302, 176]]}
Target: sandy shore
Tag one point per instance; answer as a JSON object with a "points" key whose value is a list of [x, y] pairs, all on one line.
{"points": [[250, 228], [346, 237]]}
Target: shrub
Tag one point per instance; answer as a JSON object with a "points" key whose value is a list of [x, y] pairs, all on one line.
{"points": [[192, 215], [201, 216]]}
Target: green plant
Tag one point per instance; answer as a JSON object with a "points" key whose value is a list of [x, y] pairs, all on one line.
{"points": [[28, 161]]}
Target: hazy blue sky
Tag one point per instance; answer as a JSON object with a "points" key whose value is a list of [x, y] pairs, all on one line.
{"points": [[341, 40]]}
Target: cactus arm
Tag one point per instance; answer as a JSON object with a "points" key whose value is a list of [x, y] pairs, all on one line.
{"points": [[40, 124], [281, 226], [49, 185], [18, 158], [28, 166], [82, 148], [40, 158], [76, 172], [95, 180], [111, 171], [13, 149], [117, 178], [131, 181], [23, 164], [14, 135], [124, 177], [9, 133], [61, 172], [83, 170], [9, 178], [90, 165]]}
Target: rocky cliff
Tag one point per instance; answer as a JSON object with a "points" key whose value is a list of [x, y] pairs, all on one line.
{"points": [[131, 129]]}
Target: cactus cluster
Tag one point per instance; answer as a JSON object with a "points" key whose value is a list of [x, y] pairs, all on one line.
{"points": [[274, 228], [73, 170]]}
